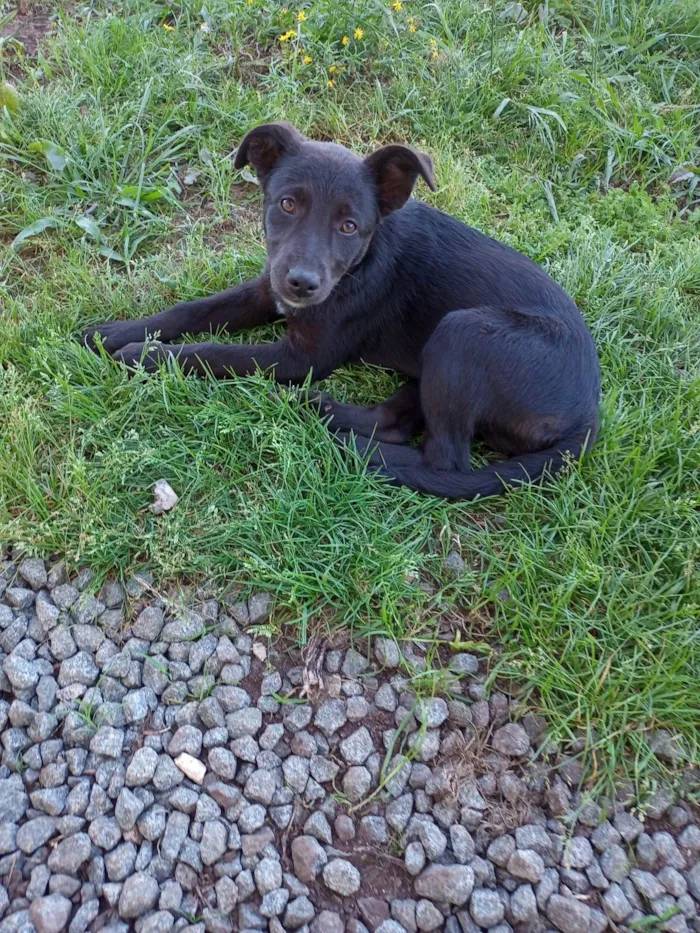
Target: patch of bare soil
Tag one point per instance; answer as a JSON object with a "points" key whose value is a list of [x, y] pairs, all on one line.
{"points": [[27, 26]]}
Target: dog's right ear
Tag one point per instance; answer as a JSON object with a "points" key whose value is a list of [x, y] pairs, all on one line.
{"points": [[265, 145]]}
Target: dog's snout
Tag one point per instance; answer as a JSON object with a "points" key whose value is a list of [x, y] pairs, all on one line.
{"points": [[302, 282]]}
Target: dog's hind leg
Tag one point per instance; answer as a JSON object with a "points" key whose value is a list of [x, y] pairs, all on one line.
{"points": [[382, 453], [395, 421]]}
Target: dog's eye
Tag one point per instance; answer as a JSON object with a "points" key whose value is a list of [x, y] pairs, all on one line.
{"points": [[288, 205], [349, 226]]}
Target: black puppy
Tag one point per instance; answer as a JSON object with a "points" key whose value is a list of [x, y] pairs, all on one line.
{"points": [[492, 347]]}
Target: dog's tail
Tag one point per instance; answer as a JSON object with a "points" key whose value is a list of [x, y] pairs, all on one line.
{"points": [[494, 479]]}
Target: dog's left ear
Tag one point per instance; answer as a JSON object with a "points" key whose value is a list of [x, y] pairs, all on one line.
{"points": [[395, 170], [265, 145]]}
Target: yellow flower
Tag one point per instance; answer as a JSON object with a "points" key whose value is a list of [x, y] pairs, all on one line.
{"points": [[307, 59], [398, 6], [433, 41], [168, 27], [358, 34], [287, 35], [331, 82], [301, 16], [332, 70], [411, 27], [250, 2], [436, 54], [344, 40]]}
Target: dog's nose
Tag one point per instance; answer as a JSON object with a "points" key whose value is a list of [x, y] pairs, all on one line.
{"points": [[302, 282]]}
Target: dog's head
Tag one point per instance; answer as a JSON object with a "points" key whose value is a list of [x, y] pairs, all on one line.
{"points": [[323, 204]]}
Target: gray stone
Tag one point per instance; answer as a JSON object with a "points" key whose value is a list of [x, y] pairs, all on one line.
{"points": [[151, 823], [452, 884], [668, 850], [128, 809], [568, 914], [615, 904], [149, 624], [84, 916], [523, 905], [318, 826], [35, 833], [78, 669], [387, 653], [526, 864], [341, 876], [268, 876], [354, 664], [296, 773], [433, 839], [690, 838], [175, 834], [244, 722], [414, 858], [578, 853], [605, 835], [464, 664], [428, 917], [511, 740], [120, 862], [139, 894], [223, 762], [356, 783], [50, 914], [260, 787], [398, 812], [357, 747], [308, 858], [167, 776], [462, 844], [298, 912], [105, 832], [22, 674], [330, 716], [107, 741], [500, 850], [214, 841], [486, 908], [70, 854], [614, 863], [187, 739], [385, 698], [137, 704], [453, 564], [432, 712], [33, 571], [647, 884], [327, 922], [252, 818], [673, 881], [142, 767]]}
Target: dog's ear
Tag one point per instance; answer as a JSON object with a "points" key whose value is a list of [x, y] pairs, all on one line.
{"points": [[395, 170], [265, 145]]}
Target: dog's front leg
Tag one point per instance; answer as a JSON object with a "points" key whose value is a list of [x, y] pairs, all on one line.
{"points": [[288, 364], [249, 304]]}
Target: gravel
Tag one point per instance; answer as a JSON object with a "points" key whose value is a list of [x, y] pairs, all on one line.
{"points": [[156, 753]]}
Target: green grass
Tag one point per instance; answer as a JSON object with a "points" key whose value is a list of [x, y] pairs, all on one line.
{"points": [[572, 136]]}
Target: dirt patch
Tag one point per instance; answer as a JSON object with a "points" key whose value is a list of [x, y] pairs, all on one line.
{"points": [[28, 26]]}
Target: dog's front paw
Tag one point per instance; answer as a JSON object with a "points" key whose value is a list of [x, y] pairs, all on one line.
{"points": [[114, 335]]}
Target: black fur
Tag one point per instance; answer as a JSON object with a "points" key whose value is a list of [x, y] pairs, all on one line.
{"points": [[492, 347]]}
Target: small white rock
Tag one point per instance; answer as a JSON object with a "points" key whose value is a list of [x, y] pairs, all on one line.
{"points": [[192, 767], [164, 497]]}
